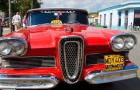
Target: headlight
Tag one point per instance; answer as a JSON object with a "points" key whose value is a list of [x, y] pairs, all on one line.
{"points": [[118, 43], [5, 48], [123, 42], [129, 43], [12, 46]]}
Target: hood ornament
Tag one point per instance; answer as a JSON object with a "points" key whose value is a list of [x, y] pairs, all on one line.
{"points": [[69, 29]]}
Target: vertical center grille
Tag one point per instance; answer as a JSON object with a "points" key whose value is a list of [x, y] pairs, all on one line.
{"points": [[71, 58]]}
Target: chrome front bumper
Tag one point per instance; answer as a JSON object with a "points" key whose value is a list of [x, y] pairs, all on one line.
{"points": [[106, 77], [27, 82]]}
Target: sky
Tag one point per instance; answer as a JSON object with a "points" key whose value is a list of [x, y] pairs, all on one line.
{"points": [[90, 5]]}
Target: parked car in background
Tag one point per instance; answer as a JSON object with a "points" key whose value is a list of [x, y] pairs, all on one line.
{"points": [[58, 45]]}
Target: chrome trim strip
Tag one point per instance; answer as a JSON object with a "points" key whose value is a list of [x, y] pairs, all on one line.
{"points": [[105, 77], [27, 82]]}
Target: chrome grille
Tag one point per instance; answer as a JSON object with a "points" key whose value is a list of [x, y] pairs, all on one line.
{"points": [[71, 55]]}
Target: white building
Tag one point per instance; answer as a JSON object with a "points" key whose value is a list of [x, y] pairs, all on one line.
{"points": [[122, 16]]}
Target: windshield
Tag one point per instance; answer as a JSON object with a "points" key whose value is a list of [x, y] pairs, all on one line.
{"points": [[61, 17]]}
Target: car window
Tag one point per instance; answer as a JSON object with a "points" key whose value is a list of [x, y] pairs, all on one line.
{"points": [[42, 17]]}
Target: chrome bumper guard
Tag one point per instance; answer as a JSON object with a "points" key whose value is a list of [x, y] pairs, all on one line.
{"points": [[27, 82], [106, 77]]}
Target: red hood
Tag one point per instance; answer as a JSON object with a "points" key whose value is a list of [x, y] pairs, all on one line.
{"points": [[46, 36]]}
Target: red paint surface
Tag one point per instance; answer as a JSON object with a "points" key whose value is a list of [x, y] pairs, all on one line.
{"points": [[43, 40]]}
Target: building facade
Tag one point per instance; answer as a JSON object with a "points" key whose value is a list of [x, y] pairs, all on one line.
{"points": [[123, 16], [93, 18]]}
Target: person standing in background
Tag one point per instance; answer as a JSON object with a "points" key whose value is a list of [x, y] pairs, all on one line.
{"points": [[24, 21], [16, 21], [1, 27]]}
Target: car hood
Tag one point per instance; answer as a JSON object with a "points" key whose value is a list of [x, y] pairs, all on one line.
{"points": [[46, 36]]}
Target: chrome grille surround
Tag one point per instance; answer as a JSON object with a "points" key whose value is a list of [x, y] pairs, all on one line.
{"points": [[71, 58]]}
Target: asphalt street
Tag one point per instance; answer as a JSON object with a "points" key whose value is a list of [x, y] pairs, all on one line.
{"points": [[131, 84], [135, 53]]}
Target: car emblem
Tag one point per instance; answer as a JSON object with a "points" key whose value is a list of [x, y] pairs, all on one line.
{"points": [[69, 29]]}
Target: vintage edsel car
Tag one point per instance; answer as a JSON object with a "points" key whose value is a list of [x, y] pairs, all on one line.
{"points": [[58, 45]]}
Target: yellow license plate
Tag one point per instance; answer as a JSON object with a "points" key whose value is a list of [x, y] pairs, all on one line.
{"points": [[113, 62]]}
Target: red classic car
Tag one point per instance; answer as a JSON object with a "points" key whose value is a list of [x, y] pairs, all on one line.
{"points": [[58, 45]]}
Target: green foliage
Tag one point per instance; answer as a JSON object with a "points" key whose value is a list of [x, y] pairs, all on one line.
{"points": [[19, 5], [35, 4], [4, 5], [23, 5]]}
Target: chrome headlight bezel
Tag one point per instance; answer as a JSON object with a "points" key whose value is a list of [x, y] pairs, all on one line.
{"points": [[129, 43], [17, 45], [117, 43], [125, 37], [6, 48]]}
